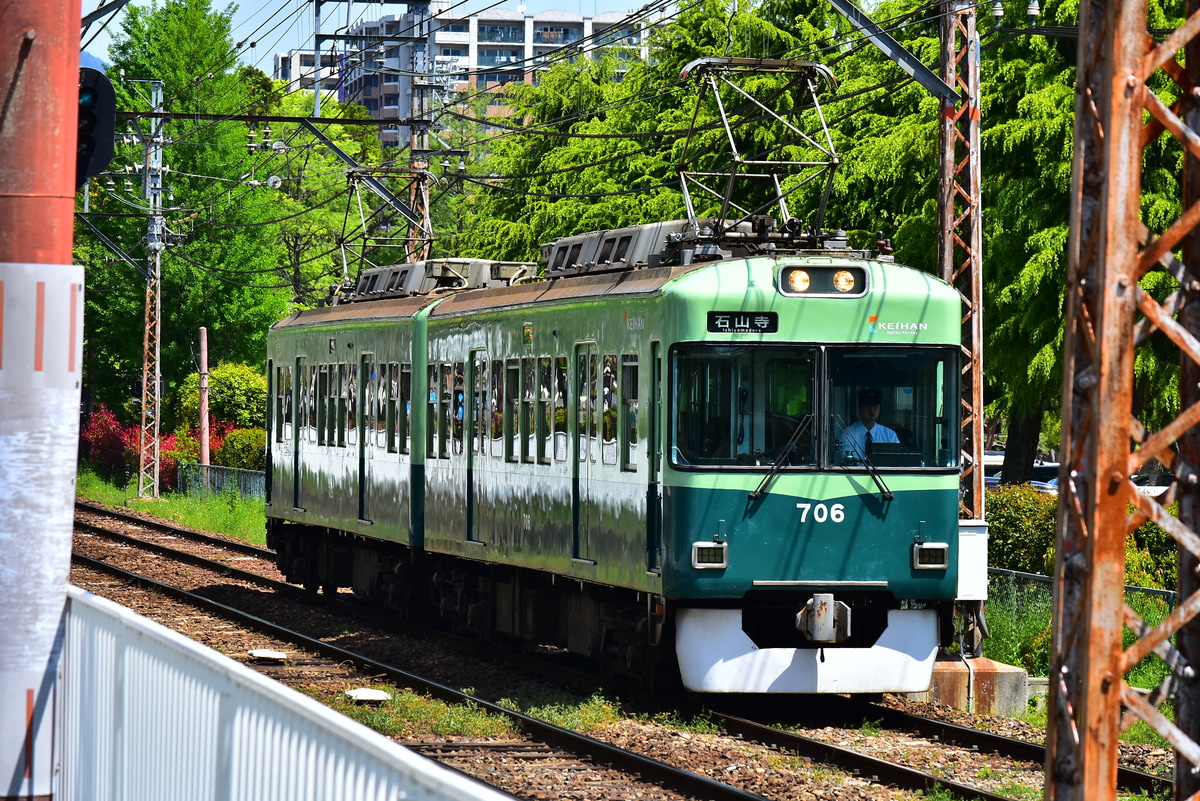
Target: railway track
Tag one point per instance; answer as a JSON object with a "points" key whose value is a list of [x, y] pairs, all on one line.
{"points": [[938, 734]]}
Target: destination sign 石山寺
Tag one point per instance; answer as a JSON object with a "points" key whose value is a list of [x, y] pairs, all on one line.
{"points": [[743, 322]]}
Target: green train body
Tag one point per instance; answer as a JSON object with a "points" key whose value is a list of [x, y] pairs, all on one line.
{"points": [[647, 463]]}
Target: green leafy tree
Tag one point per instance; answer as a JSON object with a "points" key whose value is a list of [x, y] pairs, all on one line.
{"points": [[237, 394]]}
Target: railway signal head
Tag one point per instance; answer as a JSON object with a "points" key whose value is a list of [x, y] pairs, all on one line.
{"points": [[97, 124]]}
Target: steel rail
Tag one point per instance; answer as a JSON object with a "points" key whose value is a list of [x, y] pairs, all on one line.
{"points": [[188, 533]]}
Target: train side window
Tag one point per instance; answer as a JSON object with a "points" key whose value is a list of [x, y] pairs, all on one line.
{"points": [[391, 395], [431, 412], [512, 407], [369, 412], [629, 411], [380, 374], [314, 401], [609, 387], [350, 394], [545, 410], [560, 409], [496, 413], [404, 414], [301, 400], [445, 387], [479, 417], [586, 433], [279, 382], [322, 399], [528, 398], [458, 405]]}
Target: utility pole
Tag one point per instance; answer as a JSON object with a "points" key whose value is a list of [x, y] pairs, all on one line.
{"points": [[960, 229], [1109, 316], [41, 355], [152, 184]]}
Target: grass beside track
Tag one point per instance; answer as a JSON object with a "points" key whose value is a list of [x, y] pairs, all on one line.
{"points": [[226, 513]]}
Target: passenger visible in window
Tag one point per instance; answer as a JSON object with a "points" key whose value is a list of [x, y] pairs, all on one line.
{"points": [[866, 431]]}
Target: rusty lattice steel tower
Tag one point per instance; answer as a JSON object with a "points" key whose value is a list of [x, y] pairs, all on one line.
{"points": [[1108, 317], [960, 228]]}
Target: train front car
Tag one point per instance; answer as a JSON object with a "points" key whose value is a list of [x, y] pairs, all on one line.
{"points": [[801, 556]]}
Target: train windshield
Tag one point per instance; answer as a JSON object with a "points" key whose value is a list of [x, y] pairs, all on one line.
{"points": [[809, 407]]}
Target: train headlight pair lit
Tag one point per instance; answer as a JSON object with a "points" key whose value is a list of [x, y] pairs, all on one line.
{"points": [[710, 555], [812, 280]]}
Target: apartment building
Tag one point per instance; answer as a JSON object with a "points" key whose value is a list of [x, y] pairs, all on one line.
{"points": [[406, 65]]}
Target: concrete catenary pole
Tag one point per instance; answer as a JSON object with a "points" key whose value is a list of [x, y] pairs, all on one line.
{"points": [[41, 335], [204, 396]]}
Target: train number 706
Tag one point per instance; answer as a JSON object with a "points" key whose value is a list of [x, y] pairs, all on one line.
{"points": [[821, 512]]}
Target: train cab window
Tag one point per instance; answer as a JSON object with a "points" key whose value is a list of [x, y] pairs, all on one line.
{"points": [[545, 410], [609, 387], [905, 398], [283, 404], [629, 412], [743, 406]]}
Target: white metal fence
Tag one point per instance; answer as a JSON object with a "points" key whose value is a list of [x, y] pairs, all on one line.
{"points": [[148, 715]]}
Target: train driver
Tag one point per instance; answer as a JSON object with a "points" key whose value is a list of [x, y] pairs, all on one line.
{"points": [[866, 431]]}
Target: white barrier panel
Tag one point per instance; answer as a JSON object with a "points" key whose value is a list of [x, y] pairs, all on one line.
{"points": [[148, 714]]}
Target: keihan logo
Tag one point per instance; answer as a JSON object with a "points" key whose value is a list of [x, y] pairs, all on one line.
{"points": [[877, 327]]}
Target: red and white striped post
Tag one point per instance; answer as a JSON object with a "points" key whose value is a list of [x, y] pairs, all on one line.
{"points": [[41, 335]]}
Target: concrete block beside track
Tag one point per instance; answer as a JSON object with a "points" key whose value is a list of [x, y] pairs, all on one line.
{"points": [[984, 687]]}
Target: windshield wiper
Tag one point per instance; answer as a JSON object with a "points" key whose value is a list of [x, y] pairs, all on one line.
{"points": [[872, 470], [783, 456]]}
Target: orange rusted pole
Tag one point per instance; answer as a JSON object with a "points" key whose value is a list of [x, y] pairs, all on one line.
{"points": [[41, 334], [1086, 686]]}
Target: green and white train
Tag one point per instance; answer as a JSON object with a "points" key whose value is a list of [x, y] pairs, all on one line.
{"points": [[639, 454]]}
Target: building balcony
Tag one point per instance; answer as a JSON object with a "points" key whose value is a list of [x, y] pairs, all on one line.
{"points": [[563, 37]]}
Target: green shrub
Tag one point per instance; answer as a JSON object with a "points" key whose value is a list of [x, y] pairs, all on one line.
{"points": [[236, 393], [243, 447], [1021, 528]]}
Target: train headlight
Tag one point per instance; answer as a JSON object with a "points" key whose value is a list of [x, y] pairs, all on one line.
{"points": [[930, 556], [710, 555], [798, 281], [822, 280]]}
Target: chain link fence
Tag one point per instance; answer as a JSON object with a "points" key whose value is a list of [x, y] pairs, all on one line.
{"points": [[1019, 609], [196, 479]]}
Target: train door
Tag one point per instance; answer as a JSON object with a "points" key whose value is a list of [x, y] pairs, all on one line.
{"points": [[368, 413], [584, 511], [476, 433], [654, 459]]}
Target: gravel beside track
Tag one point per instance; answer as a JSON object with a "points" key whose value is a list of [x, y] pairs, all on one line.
{"points": [[537, 774]]}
